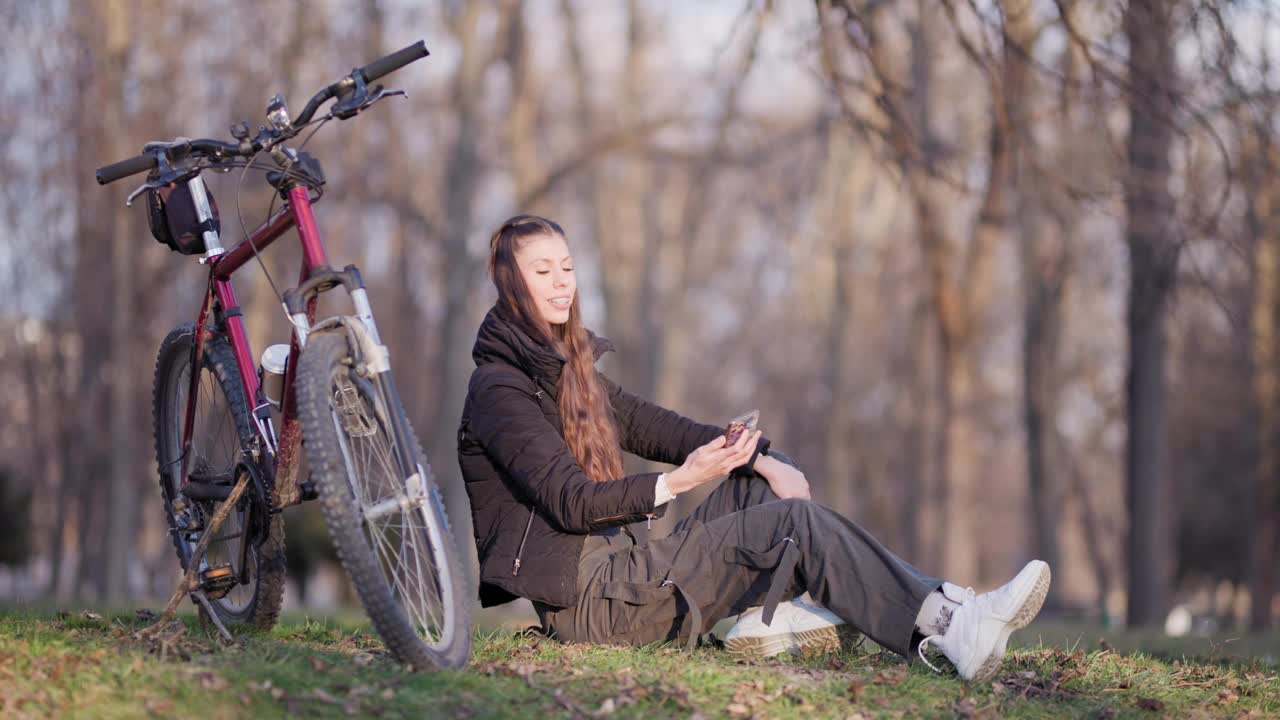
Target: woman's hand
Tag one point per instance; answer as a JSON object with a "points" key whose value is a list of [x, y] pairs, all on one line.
{"points": [[711, 461], [785, 480]]}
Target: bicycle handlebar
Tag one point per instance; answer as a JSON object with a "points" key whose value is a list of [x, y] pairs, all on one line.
{"points": [[177, 149], [374, 70], [394, 61], [219, 149], [125, 168]]}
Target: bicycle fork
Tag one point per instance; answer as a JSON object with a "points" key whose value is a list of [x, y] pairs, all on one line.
{"points": [[373, 365]]}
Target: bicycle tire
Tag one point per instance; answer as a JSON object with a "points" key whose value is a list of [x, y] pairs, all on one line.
{"points": [[259, 606], [325, 371]]}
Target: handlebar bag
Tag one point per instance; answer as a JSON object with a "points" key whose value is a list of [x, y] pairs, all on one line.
{"points": [[174, 221]]}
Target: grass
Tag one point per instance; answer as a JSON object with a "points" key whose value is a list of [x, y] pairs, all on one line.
{"points": [[80, 664]]}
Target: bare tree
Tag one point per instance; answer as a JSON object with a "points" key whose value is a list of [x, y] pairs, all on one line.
{"points": [[959, 265], [1045, 261], [1261, 168], [1153, 257]]}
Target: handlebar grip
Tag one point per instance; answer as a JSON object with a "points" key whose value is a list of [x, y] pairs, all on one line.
{"points": [[125, 168], [394, 61]]}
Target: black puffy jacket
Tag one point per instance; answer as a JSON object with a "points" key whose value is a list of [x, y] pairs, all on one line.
{"points": [[531, 503]]}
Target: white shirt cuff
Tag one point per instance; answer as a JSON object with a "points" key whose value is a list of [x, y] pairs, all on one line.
{"points": [[661, 493]]}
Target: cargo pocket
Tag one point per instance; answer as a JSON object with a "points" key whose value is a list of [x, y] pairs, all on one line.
{"points": [[652, 591], [781, 559], [646, 593]]}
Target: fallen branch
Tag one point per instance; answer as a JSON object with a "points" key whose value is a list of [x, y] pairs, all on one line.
{"points": [[200, 597], [188, 584]]}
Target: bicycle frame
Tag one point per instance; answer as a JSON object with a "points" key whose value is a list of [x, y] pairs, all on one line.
{"points": [[284, 450]]}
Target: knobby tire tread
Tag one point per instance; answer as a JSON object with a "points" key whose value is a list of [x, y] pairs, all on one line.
{"points": [[175, 353], [320, 361]]}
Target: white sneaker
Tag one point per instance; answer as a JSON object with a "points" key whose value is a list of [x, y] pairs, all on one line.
{"points": [[797, 625], [975, 641]]}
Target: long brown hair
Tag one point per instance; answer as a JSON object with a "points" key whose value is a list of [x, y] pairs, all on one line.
{"points": [[588, 424]]}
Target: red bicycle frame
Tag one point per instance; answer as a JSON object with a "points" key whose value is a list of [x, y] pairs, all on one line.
{"points": [[297, 213]]}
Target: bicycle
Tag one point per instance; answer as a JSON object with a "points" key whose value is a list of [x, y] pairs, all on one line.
{"points": [[334, 389]]}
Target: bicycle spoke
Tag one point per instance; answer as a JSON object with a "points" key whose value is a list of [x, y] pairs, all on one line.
{"points": [[408, 547], [391, 560], [215, 449], [399, 539], [404, 585], [214, 436], [413, 537], [385, 469]]}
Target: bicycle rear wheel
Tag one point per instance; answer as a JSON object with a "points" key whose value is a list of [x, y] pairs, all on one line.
{"points": [[391, 532], [222, 427]]}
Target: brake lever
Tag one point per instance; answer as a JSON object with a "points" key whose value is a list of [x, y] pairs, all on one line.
{"points": [[163, 169], [164, 175], [148, 185], [358, 98], [383, 93], [379, 93]]}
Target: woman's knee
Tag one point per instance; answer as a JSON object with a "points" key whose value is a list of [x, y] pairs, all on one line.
{"points": [[805, 518], [751, 489], [785, 511]]}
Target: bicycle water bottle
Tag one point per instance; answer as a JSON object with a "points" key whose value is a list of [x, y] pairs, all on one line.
{"points": [[274, 360]]}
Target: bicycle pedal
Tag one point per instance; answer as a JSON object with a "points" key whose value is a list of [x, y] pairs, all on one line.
{"points": [[217, 581]]}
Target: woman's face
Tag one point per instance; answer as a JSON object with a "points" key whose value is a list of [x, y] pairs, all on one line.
{"points": [[547, 268]]}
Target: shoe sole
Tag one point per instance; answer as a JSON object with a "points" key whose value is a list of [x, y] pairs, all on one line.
{"points": [[828, 638], [1026, 613]]}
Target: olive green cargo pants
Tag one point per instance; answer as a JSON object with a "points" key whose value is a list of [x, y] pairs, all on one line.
{"points": [[740, 548]]}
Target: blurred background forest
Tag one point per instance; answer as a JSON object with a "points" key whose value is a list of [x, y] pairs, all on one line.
{"points": [[1003, 276]]}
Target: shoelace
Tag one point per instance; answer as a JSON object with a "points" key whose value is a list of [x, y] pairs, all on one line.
{"points": [[969, 596], [924, 659]]}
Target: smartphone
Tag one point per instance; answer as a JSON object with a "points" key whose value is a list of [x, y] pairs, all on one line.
{"points": [[743, 423]]}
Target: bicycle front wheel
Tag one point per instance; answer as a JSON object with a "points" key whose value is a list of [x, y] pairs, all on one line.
{"points": [[391, 531]]}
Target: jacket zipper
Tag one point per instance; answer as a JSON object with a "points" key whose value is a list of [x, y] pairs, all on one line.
{"points": [[515, 567], [515, 570]]}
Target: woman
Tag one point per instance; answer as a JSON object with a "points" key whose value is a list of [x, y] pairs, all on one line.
{"points": [[540, 445]]}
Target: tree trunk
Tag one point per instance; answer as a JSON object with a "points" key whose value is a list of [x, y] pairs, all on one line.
{"points": [[1263, 220], [1043, 273], [838, 463], [603, 208], [1266, 348], [456, 333], [940, 499], [959, 541], [119, 538], [959, 274], [1042, 326], [1152, 265], [1094, 534]]}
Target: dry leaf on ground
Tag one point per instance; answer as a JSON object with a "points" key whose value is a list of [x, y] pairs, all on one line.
{"points": [[1151, 704]]}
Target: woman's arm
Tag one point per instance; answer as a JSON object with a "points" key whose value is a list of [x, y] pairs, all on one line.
{"points": [[509, 424], [654, 432], [785, 480]]}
